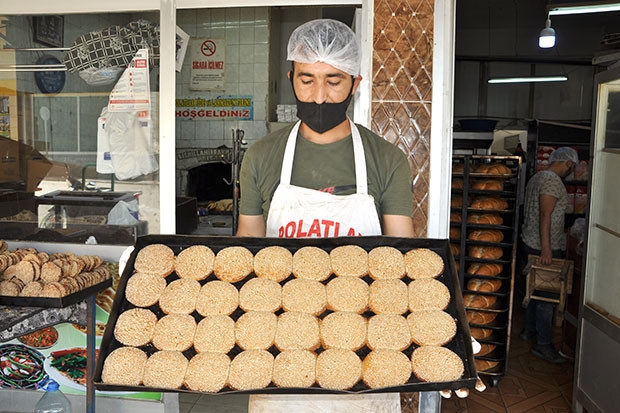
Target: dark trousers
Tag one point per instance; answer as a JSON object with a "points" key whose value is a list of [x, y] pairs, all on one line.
{"points": [[539, 314]]}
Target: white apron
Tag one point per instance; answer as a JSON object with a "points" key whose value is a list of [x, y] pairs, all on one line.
{"points": [[298, 212]]}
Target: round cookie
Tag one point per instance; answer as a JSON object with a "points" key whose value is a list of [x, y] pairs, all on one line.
{"points": [[165, 369], [260, 294], [349, 260], [135, 327], [174, 332], [215, 334], [217, 366], [431, 327], [343, 330], [297, 331], [233, 264], [428, 294], [311, 263], [256, 330], [124, 366], [294, 368], [304, 295], [144, 290], [436, 364], [388, 332], [385, 368], [251, 369], [273, 262], [338, 369], [179, 297], [217, 297], [423, 263], [386, 262], [195, 262], [388, 297], [347, 294], [155, 259]]}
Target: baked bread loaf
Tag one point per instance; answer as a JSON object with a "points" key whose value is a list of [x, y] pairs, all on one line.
{"points": [[456, 201], [486, 252], [457, 183], [455, 217], [485, 349], [304, 295], [493, 169], [195, 262], [233, 264], [428, 294], [385, 368], [349, 261], [455, 249], [386, 262], [338, 369], [274, 263], [179, 297], [458, 168], [343, 330], [488, 235], [347, 294], [488, 184], [388, 296], [480, 333], [480, 317], [155, 259], [482, 285], [174, 332], [311, 263], [489, 203], [217, 297], [294, 368], [256, 330], [388, 332], [479, 300], [423, 263], [215, 334], [436, 364], [124, 366], [484, 365], [297, 331], [207, 372], [489, 269], [135, 327], [455, 232], [431, 327], [144, 290], [165, 370], [260, 294], [251, 369], [485, 218]]}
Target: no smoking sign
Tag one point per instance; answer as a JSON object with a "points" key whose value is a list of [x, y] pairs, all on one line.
{"points": [[208, 48]]}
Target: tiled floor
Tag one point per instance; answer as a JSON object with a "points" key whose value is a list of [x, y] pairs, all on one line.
{"points": [[530, 385]]}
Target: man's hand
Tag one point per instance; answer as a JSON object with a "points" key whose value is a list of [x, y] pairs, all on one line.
{"points": [[464, 392]]}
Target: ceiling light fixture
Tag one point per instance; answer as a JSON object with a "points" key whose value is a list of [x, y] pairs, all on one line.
{"points": [[547, 36], [527, 79], [583, 9]]}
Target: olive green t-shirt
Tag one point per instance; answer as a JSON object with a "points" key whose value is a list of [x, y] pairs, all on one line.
{"points": [[326, 167]]}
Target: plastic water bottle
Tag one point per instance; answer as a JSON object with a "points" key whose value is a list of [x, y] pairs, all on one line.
{"points": [[53, 401]]}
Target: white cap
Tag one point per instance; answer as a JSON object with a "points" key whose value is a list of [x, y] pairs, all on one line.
{"points": [[563, 154], [328, 41]]}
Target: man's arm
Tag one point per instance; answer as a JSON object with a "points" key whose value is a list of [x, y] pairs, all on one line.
{"points": [[398, 226], [251, 226], [547, 204]]}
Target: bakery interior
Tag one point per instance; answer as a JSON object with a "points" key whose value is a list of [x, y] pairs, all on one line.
{"points": [[60, 197]]}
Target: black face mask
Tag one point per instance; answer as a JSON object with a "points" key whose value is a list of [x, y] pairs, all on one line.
{"points": [[321, 117]]}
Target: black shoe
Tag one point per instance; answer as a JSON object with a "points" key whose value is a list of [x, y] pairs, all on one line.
{"points": [[548, 353], [527, 335]]}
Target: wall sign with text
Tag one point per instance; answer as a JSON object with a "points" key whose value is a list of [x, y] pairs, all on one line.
{"points": [[208, 70], [217, 108]]}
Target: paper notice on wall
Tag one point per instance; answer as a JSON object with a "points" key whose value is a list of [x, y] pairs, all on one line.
{"points": [[132, 91], [208, 64]]}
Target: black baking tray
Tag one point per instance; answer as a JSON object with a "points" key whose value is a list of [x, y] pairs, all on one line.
{"points": [[54, 302], [461, 344]]}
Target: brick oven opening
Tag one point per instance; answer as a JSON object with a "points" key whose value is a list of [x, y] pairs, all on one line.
{"points": [[209, 183]]}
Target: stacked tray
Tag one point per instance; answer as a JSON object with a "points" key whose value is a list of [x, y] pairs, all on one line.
{"points": [[460, 344]]}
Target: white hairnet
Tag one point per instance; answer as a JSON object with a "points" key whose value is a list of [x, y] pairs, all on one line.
{"points": [[564, 154], [328, 41]]}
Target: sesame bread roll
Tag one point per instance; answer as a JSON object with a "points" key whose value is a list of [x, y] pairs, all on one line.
{"points": [[215, 334], [347, 294], [274, 263], [311, 263], [386, 262], [165, 370], [124, 366], [343, 330], [338, 369], [431, 327], [256, 330], [428, 294], [135, 327], [195, 262], [144, 290], [308, 296], [436, 364], [217, 298], [388, 296], [155, 259], [385, 368], [233, 264], [251, 369], [349, 260], [260, 294], [297, 331], [388, 332], [174, 332], [294, 368], [423, 263], [179, 297], [217, 366]]}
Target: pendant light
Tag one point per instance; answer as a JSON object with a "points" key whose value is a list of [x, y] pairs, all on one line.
{"points": [[547, 36]]}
